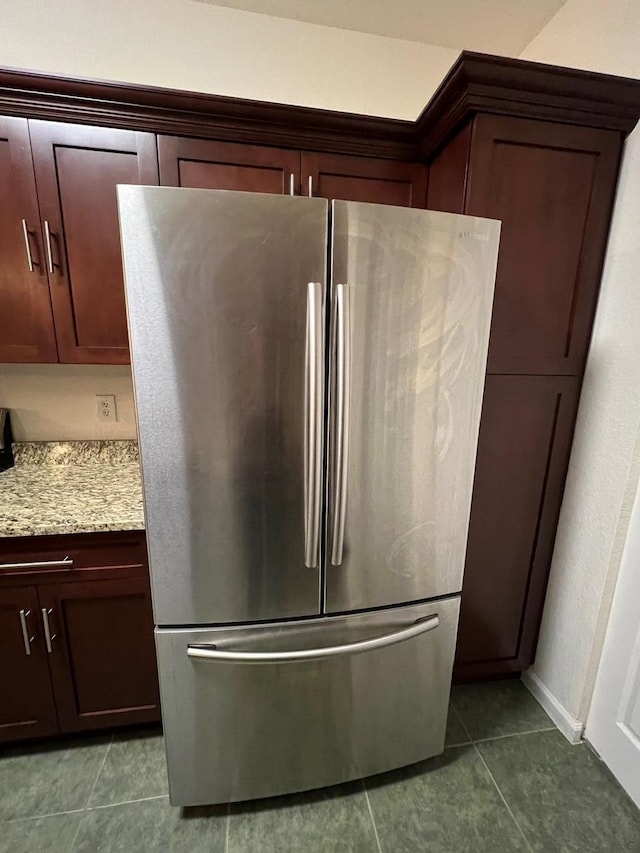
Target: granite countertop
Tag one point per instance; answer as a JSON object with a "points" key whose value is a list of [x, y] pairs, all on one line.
{"points": [[71, 487]]}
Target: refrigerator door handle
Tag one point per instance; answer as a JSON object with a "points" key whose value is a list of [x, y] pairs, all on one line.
{"points": [[314, 396], [341, 421], [209, 651]]}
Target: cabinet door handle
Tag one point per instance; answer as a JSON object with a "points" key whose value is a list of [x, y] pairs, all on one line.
{"points": [[24, 614], [48, 636], [310, 190], [25, 231], [47, 238], [66, 563], [291, 185]]}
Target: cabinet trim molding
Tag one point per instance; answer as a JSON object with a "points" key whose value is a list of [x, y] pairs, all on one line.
{"points": [[476, 83], [181, 113]]}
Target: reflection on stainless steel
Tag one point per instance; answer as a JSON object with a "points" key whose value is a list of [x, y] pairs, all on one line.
{"points": [[234, 731], [421, 292]]}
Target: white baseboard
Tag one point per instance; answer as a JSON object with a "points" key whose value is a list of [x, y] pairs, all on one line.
{"points": [[572, 729]]}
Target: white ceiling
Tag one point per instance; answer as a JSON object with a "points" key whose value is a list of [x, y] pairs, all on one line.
{"points": [[491, 26]]}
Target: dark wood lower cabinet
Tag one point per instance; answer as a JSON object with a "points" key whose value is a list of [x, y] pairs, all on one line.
{"points": [[523, 450], [27, 708], [88, 630], [102, 659]]}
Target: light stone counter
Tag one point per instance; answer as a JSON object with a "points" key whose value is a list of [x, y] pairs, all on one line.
{"points": [[71, 487]]}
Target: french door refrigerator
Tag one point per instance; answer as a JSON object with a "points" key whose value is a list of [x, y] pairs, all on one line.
{"points": [[308, 385]]}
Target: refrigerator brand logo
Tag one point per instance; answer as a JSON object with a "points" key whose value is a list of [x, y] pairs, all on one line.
{"points": [[475, 235]]}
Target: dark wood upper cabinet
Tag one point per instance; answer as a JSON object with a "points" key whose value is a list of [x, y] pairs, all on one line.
{"points": [[523, 450], [366, 179], [552, 186], [206, 164], [103, 656], [27, 708], [77, 169], [26, 320]]}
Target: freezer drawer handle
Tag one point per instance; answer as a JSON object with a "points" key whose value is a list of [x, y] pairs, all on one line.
{"points": [[314, 394], [209, 651], [341, 422]]}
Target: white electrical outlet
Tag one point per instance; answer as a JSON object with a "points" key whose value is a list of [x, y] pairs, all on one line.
{"points": [[106, 407]]}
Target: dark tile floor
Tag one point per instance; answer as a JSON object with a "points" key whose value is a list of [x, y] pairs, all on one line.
{"points": [[507, 781]]}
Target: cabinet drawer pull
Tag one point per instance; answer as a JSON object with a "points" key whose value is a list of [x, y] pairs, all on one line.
{"points": [[25, 231], [48, 636], [66, 563], [24, 614]]}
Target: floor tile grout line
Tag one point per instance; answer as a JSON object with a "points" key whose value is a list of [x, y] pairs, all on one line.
{"points": [[93, 787], [514, 734], [504, 799], [227, 829], [460, 743], [470, 742], [460, 720], [40, 816], [373, 820], [95, 781], [127, 802]]}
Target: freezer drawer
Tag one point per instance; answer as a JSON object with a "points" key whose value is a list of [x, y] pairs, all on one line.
{"points": [[365, 694]]}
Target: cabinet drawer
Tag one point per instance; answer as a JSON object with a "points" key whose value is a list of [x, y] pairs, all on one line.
{"points": [[39, 555]]}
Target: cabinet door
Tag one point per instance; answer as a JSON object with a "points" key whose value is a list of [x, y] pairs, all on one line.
{"points": [[209, 165], [77, 169], [366, 179], [102, 657], [27, 708], [523, 449], [26, 321], [552, 185]]}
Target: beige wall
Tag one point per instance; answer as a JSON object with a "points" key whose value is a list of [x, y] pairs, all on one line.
{"points": [[187, 45], [599, 35], [57, 401]]}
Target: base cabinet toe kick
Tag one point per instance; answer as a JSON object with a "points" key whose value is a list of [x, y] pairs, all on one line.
{"points": [[259, 711]]}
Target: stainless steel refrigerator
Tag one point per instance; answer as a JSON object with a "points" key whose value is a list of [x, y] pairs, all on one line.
{"points": [[308, 384]]}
